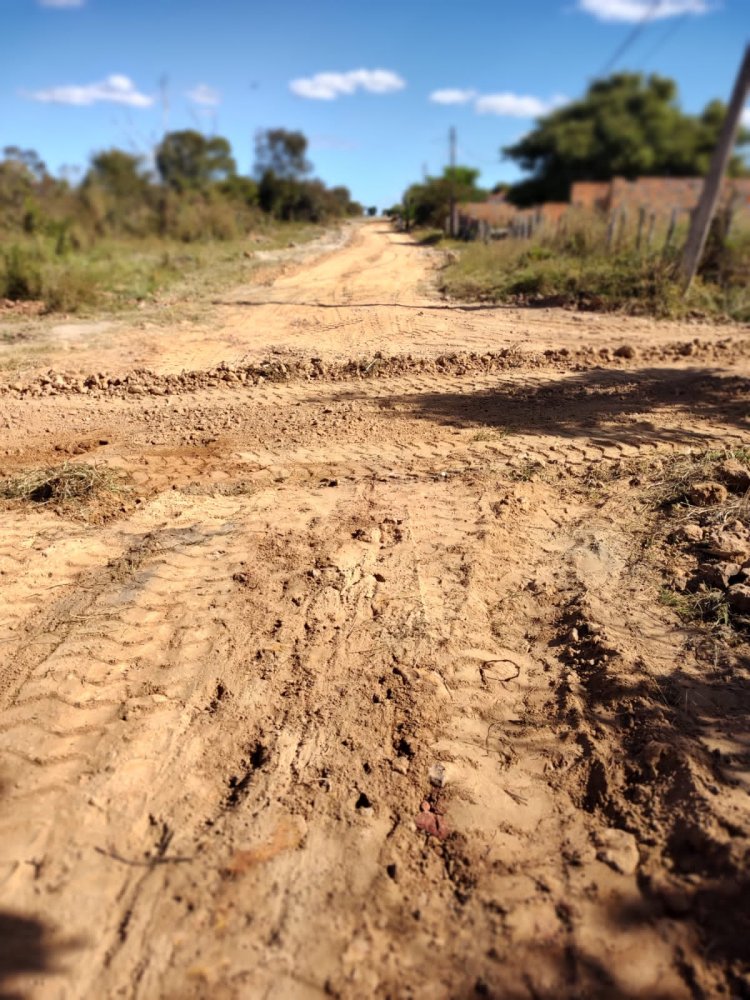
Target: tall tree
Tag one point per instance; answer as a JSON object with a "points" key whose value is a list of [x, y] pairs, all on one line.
{"points": [[280, 165], [189, 159], [118, 173], [282, 152], [627, 125]]}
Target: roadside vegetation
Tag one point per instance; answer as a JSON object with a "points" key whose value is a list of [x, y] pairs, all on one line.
{"points": [[572, 265], [125, 231]]}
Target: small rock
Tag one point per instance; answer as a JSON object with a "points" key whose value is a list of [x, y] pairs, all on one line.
{"points": [[625, 351], [436, 775], [707, 494], [618, 849], [738, 597], [716, 574], [690, 533], [731, 543], [735, 475]]}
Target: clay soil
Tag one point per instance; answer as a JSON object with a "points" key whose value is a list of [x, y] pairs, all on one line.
{"points": [[359, 683]]}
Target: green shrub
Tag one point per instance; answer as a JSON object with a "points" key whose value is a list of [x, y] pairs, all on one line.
{"points": [[67, 289], [21, 276]]}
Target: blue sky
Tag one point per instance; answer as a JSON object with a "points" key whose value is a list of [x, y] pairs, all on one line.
{"points": [[81, 75]]}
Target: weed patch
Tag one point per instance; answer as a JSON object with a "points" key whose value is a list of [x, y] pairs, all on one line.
{"points": [[69, 488]]}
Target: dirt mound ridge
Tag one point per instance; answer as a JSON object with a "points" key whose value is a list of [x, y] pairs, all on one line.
{"points": [[142, 381]]}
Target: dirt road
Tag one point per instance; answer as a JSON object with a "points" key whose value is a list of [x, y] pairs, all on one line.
{"points": [[365, 688]]}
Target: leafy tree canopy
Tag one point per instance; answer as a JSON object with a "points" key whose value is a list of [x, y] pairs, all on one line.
{"points": [[626, 125], [25, 161], [428, 204], [282, 153], [118, 173], [189, 159]]}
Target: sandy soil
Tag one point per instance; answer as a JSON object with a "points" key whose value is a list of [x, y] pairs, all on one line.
{"points": [[364, 689]]}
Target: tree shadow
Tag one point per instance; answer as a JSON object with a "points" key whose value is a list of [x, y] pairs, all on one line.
{"points": [[28, 947], [605, 406]]}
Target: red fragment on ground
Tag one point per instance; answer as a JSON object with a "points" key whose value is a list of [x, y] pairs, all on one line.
{"points": [[433, 824]]}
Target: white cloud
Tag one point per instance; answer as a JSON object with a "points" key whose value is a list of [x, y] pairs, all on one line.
{"points": [[116, 89], [329, 86], [452, 96], [511, 105], [61, 3], [642, 10], [745, 119], [207, 97]]}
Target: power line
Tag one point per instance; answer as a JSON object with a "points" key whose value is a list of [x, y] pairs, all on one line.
{"points": [[632, 36], [664, 38], [473, 157]]}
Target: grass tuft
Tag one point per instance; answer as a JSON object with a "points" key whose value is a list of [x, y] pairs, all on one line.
{"points": [[65, 487], [708, 606]]}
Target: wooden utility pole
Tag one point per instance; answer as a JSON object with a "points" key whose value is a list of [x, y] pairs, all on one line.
{"points": [[704, 211], [452, 159], [164, 89]]}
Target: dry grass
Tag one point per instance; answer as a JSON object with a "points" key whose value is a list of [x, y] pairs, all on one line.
{"points": [[67, 488], [681, 472]]}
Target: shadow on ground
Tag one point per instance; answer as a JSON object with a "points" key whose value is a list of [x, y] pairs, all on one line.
{"points": [[602, 405], [27, 948]]}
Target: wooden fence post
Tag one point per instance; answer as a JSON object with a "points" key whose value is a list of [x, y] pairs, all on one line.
{"points": [[621, 227], [670, 230], [610, 230], [639, 233]]}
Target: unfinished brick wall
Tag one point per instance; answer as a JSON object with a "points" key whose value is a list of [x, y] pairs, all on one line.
{"points": [[496, 213], [591, 195], [658, 195]]}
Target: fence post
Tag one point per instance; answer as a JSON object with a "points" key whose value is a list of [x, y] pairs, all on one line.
{"points": [[639, 233], [610, 230], [670, 230], [621, 227]]}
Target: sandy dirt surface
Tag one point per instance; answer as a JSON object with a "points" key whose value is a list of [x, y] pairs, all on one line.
{"points": [[364, 688]]}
